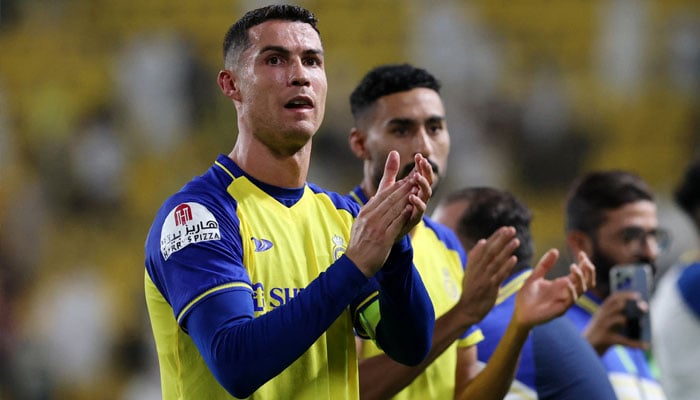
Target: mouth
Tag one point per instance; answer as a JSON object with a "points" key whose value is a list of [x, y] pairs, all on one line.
{"points": [[299, 102]]}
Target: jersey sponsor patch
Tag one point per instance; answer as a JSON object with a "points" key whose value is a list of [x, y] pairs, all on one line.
{"points": [[186, 224]]}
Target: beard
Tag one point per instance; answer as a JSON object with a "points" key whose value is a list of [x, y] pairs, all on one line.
{"points": [[403, 172], [604, 263]]}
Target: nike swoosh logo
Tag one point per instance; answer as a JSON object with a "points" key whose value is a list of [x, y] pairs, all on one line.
{"points": [[261, 244]]}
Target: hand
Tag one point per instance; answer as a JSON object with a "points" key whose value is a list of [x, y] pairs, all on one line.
{"points": [[387, 216], [421, 179], [489, 264], [602, 331], [540, 300]]}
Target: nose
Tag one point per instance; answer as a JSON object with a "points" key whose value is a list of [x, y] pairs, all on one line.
{"points": [[424, 143], [649, 248], [298, 75]]}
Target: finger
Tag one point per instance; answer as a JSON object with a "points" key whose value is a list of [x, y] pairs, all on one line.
{"points": [[588, 269], [643, 306], [502, 259], [625, 341], [418, 206], [424, 190], [572, 291], [577, 276], [495, 255], [616, 301], [425, 168], [391, 169], [506, 267], [387, 206], [398, 224], [545, 264], [476, 251], [615, 321], [498, 241]]}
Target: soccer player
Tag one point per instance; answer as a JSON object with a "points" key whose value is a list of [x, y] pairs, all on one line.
{"points": [[556, 362], [253, 275], [398, 108], [611, 216]]}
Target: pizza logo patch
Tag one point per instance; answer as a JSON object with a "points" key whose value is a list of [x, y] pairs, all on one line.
{"points": [[186, 224]]}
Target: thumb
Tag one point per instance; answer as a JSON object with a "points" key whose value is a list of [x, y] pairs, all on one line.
{"points": [[391, 169]]}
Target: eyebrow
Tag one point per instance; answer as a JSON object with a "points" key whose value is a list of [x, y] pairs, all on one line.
{"points": [[410, 121], [285, 51]]}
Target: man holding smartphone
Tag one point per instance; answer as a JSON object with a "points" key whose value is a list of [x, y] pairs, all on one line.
{"points": [[612, 217]]}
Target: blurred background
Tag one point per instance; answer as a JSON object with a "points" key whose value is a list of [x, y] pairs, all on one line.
{"points": [[108, 107]]}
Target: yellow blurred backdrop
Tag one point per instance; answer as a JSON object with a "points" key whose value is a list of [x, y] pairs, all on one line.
{"points": [[107, 107]]}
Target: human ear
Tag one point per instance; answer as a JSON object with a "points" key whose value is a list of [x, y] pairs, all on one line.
{"points": [[358, 141], [579, 241], [228, 84]]}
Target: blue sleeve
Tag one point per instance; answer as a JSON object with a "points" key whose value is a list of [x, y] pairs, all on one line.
{"points": [[231, 340], [688, 284], [405, 330], [566, 366]]}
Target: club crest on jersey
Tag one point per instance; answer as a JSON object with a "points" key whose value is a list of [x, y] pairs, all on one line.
{"points": [[450, 286], [338, 246], [186, 224]]}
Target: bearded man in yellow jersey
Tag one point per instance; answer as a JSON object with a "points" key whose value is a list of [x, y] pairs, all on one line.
{"points": [[397, 108]]}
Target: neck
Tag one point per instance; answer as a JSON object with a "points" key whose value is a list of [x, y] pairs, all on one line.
{"points": [[368, 189], [263, 164], [368, 184]]}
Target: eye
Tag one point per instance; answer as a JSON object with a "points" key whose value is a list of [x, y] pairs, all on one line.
{"points": [[435, 128], [400, 131], [633, 234], [312, 61], [274, 60], [630, 235]]}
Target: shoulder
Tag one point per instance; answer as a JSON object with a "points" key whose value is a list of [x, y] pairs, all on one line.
{"points": [[444, 234], [688, 282], [203, 202], [339, 201], [198, 197]]}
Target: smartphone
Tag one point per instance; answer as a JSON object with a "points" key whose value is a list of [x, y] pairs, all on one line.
{"points": [[635, 278]]}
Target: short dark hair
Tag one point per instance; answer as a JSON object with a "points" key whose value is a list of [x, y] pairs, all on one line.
{"points": [[489, 209], [236, 39], [687, 194], [388, 79], [597, 192]]}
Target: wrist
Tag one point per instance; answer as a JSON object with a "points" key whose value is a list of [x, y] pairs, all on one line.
{"points": [[463, 317], [361, 263]]}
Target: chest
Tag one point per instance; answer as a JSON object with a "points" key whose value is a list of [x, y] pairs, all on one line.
{"points": [[440, 269], [285, 248]]}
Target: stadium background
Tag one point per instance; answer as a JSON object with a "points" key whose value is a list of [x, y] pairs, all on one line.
{"points": [[107, 107]]}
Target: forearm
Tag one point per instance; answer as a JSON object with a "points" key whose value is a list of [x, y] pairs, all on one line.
{"points": [[407, 319], [494, 381], [231, 340], [381, 377]]}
